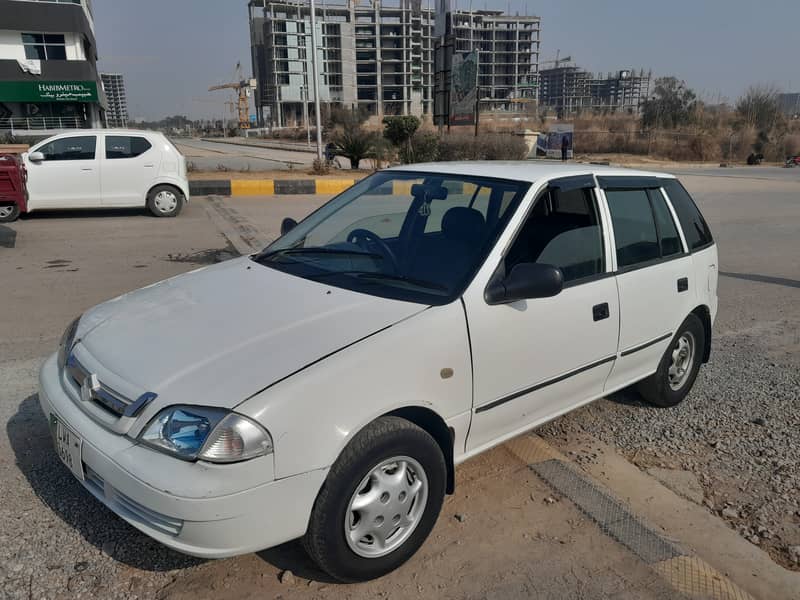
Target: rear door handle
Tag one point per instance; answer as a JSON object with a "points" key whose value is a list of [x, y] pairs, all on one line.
{"points": [[149, 166], [683, 284], [86, 169], [600, 311]]}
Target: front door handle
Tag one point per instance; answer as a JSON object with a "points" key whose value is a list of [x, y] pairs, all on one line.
{"points": [[600, 311], [86, 168], [683, 284]]}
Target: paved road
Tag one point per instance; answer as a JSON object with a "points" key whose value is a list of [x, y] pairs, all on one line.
{"points": [[208, 156]]}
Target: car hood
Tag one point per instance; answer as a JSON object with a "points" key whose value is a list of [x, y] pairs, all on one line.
{"points": [[218, 335]]}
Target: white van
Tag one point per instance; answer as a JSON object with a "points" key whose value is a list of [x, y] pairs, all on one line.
{"points": [[107, 168]]}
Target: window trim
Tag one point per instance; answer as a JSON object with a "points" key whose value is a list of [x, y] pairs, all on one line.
{"points": [[687, 248], [44, 143], [108, 136]]}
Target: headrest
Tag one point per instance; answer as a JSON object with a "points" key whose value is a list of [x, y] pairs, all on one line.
{"points": [[463, 224]]}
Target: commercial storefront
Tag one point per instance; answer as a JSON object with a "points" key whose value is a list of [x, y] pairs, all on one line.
{"points": [[48, 66]]}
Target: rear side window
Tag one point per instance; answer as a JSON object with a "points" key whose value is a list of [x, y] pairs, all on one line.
{"points": [[563, 230], [634, 227], [70, 148], [695, 229], [667, 232], [125, 146]]}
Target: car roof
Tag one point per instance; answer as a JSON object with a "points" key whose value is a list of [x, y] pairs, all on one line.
{"points": [[530, 170], [110, 131]]}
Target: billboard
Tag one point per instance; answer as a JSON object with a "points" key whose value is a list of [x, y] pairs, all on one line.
{"points": [[551, 143], [464, 88], [48, 91]]}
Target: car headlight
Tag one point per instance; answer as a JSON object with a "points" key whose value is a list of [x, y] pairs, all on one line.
{"points": [[205, 433], [65, 345]]}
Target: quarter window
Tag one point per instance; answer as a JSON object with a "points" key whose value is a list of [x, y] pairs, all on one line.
{"points": [[70, 148], [44, 46], [563, 230], [125, 146], [695, 228], [634, 228]]}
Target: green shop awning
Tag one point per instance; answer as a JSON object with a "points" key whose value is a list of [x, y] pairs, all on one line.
{"points": [[48, 91]]}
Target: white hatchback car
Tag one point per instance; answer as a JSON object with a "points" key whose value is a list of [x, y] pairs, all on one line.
{"points": [[328, 386], [104, 168]]}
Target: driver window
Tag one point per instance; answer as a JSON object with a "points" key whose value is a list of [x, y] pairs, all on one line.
{"points": [[563, 229]]}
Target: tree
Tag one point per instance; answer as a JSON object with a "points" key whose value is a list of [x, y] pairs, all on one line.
{"points": [[672, 104], [354, 144], [759, 107], [399, 131]]}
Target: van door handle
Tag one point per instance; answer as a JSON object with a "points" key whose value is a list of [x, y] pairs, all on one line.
{"points": [[600, 311], [683, 284]]}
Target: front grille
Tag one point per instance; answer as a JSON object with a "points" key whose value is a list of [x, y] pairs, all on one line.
{"points": [[129, 508], [99, 393]]}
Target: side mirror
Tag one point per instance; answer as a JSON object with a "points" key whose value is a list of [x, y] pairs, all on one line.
{"points": [[36, 157], [526, 281], [287, 225]]}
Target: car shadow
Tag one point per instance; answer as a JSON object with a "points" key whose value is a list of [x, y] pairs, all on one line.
{"points": [[29, 435], [292, 556], [43, 215], [629, 397]]}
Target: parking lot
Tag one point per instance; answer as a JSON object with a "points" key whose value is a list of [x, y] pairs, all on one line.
{"points": [[728, 457]]}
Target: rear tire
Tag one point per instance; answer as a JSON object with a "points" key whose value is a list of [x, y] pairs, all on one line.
{"points": [[679, 366], [9, 213], [165, 201], [379, 502]]}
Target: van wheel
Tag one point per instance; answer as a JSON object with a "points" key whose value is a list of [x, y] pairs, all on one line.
{"points": [[679, 366], [165, 201], [379, 501], [9, 213]]}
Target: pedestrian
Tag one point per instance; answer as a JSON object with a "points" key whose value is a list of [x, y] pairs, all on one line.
{"points": [[564, 147]]}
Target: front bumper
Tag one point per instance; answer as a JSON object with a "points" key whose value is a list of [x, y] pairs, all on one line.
{"points": [[193, 507]]}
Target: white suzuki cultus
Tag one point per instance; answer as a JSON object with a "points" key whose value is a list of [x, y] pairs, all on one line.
{"points": [[326, 387]]}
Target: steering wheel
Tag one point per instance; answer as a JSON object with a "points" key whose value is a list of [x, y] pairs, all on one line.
{"points": [[369, 238]]}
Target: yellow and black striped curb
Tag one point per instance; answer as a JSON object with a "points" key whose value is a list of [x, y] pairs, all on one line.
{"points": [[267, 187], [279, 187], [689, 575]]}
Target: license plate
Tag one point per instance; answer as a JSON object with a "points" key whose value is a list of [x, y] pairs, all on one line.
{"points": [[68, 446]]}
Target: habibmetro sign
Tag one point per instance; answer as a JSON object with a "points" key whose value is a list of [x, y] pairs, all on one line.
{"points": [[48, 91]]}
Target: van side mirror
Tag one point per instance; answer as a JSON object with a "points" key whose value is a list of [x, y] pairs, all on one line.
{"points": [[525, 282], [36, 157], [287, 225]]}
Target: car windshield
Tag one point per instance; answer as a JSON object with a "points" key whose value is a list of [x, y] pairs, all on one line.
{"points": [[418, 237]]}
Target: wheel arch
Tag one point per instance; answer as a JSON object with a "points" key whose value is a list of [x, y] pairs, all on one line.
{"points": [[431, 422], [704, 314]]}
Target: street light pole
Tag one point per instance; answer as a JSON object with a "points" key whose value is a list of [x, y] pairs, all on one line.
{"points": [[315, 73]]}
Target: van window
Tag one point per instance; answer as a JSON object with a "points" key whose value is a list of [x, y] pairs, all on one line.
{"points": [[563, 230], [634, 227], [695, 228], [125, 146], [70, 148]]}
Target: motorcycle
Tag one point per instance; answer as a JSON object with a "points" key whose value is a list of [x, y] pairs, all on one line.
{"points": [[792, 161]]}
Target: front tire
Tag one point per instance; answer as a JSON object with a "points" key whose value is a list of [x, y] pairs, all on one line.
{"points": [[379, 502], [679, 366], [165, 201], [9, 213]]}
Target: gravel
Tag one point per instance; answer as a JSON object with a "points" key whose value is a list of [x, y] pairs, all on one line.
{"points": [[737, 433]]}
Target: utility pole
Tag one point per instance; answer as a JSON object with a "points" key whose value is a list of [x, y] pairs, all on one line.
{"points": [[315, 72]]}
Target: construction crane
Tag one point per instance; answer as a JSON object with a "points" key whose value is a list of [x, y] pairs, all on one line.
{"points": [[244, 89], [557, 62]]}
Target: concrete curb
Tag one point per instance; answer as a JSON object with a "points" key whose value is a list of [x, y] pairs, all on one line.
{"points": [[267, 187]]}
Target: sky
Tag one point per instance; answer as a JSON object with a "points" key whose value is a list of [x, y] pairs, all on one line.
{"points": [[171, 51]]}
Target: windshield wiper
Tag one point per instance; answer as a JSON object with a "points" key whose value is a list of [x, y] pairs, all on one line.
{"points": [[313, 250], [402, 278]]}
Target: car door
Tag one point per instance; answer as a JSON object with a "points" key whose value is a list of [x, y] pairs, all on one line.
{"points": [[536, 359], [130, 164], [654, 274], [69, 175]]}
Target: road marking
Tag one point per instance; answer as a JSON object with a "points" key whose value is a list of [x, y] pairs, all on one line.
{"points": [[239, 231], [686, 574]]}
